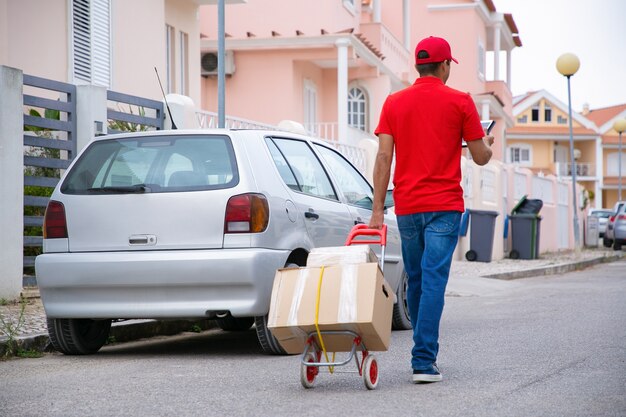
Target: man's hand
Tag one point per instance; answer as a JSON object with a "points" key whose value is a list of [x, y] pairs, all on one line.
{"points": [[489, 140], [377, 219]]}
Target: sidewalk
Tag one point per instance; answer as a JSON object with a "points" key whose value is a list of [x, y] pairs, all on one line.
{"points": [[466, 279]]}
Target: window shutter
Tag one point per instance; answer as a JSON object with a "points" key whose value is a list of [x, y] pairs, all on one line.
{"points": [[82, 40], [101, 45], [92, 41]]}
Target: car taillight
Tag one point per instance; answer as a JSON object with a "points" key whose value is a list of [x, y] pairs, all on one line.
{"points": [[622, 217], [611, 219], [54, 224], [246, 213]]}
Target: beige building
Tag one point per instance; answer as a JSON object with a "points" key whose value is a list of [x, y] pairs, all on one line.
{"points": [[540, 141]]}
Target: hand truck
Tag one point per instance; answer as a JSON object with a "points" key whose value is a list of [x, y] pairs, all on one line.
{"points": [[367, 366]]}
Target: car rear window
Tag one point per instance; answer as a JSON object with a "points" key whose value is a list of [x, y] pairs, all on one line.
{"points": [[154, 164]]}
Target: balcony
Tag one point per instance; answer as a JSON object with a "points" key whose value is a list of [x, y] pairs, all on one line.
{"points": [[583, 169], [396, 57]]}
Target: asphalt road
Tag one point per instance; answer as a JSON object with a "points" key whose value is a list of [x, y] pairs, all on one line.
{"points": [[549, 346]]}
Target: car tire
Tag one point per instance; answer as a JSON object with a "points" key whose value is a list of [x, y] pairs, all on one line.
{"points": [[401, 319], [514, 254], [234, 324], [268, 342], [617, 245], [78, 336], [607, 242]]}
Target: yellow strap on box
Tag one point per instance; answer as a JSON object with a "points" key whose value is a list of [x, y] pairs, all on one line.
{"points": [[317, 313]]}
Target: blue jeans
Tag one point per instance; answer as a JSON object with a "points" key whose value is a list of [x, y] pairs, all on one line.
{"points": [[428, 242]]}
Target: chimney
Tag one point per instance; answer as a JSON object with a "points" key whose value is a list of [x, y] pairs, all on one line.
{"points": [[585, 109]]}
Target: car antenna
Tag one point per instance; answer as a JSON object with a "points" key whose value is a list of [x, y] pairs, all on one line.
{"points": [[164, 99]]}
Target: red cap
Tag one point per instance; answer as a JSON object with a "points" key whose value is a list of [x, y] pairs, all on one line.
{"points": [[438, 50]]}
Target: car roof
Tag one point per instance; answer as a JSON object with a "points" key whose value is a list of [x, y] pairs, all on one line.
{"points": [[229, 132]]}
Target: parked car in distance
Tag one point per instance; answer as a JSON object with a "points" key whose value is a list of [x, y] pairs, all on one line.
{"points": [[194, 224], [619, 228], [603, 218], [608, 239]]}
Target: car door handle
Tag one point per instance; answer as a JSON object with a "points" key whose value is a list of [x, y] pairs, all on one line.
{"points": [[311, 215], [358, 221]]}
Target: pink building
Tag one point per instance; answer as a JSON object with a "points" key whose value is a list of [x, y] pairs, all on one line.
{"points": [[330, 64]]}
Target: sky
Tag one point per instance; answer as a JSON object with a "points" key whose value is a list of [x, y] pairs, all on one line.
{"points": [[593, 30]]}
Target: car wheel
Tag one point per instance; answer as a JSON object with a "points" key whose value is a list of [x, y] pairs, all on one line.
{"points": [[235, 324], [617, 245], [401, 319], [607, 242], [514, 254], [78, 336], [268, 342]]}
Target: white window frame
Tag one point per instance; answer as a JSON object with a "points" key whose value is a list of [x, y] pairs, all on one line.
{"points": [[482, 57], [310, 103], [547, 108], [354, 115], [612, 163], [184, 57], [170, 58], [520, 147], [532, 109]]}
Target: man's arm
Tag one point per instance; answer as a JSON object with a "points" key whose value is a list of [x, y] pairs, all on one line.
{"points": [[481, 149], [382, 172]]}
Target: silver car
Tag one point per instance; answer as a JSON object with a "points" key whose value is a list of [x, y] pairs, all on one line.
{"points": [[194, 224], [609, 237], [603, 218], [619, 228]]}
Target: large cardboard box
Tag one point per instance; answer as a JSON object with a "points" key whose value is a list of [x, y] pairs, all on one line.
{"points": [[354, 254], [353, 297]]}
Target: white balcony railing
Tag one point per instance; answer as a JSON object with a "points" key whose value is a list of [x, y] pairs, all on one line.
{"points": [[209, 120], [583, 169], [323, 131]]}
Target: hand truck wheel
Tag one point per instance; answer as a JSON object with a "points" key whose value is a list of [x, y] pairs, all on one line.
{"points": [[370, 372], [308, 373]]}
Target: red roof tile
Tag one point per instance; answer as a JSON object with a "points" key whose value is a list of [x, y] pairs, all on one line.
{"points": [[603, 115]]}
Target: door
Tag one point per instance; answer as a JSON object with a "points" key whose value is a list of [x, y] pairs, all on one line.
{"points": [[328, 221], [358, 195]]}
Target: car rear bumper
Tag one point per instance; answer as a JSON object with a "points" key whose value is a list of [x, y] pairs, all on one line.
{"points": [[157, 284]]}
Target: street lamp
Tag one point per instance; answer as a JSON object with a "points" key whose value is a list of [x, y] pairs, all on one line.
{"points": [[619, 126], [567, 65]]}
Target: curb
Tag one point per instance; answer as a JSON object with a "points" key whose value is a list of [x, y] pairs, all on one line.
{"points": [[124, 331], [555, 269]]}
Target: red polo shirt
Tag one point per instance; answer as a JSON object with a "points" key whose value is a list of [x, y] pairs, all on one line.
{"points": [[428, 122]]}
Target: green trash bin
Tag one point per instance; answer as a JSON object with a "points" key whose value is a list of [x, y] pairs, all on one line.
{"points": [[525, 229]]}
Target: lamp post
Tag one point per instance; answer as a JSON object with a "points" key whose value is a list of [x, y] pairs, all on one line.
{"points": [[619, 126], [567, 65]]}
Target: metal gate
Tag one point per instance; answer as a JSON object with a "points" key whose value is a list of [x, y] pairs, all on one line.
{"points": [[49, 147]]}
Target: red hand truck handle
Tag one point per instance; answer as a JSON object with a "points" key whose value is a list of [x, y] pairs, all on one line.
{"points": [[364, 230]]}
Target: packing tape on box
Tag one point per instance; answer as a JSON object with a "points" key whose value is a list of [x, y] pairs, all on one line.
{"points": [[347, 311], [292, 320]]}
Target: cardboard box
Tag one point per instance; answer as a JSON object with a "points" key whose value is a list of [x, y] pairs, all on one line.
{"points": [[353, 297], [354, 254]]}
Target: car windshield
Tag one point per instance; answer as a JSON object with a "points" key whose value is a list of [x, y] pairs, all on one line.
{"points": [[154, 164], [604, 214]]}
